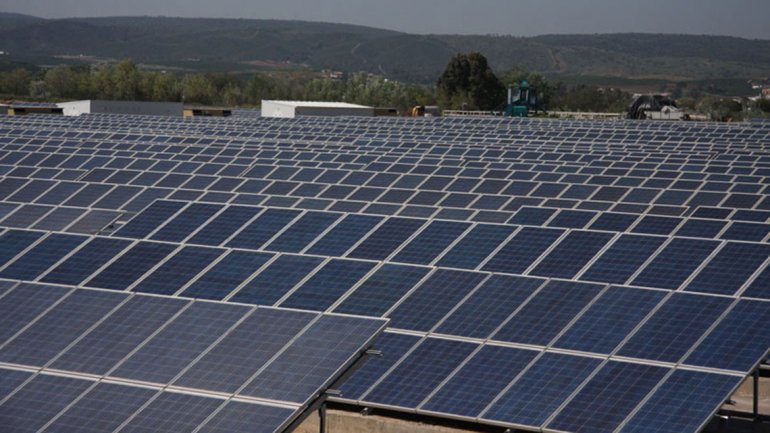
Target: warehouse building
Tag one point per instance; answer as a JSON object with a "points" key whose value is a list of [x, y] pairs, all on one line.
{"points": [[76, 108]]}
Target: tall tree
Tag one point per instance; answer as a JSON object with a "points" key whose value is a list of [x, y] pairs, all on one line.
{"points": [[127, 80], [469, 83]]}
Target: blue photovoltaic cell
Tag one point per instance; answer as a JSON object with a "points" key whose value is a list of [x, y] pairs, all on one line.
{"points": [[149, 219], [10, 380], [24, 303], [386, 239], [740, 340], [571, 254], [475, 246], [554, 306], [760, 287], [479, 381], [750, 232], [276, 279], [608, 398], [225, 276], [609, 320], [178, 270], [708, 229], [430, 302], [237, 417], [623, 258], [180, 342], [314, 359], [614, 222], [41, 257], [14, 242], [656, 225], [229, 364], [86, 261], [38, 402], [254, 235], [431, 242], [114, 338], [327, 284], [541, 389], [393, 347], [302, 232], [525, 247], [344, 235], [532, 216], [729, 270], [173, 413], [224, 225], [186, 222], [487, 308], [131, 265], [59, 218], [672, 266], [382, 290], [683, 403], [52, 333], [103, 409], [675, 327], [420, 372]]}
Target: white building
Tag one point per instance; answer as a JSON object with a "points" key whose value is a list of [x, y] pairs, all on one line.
{"points": [[76, 108], [291, 109]]}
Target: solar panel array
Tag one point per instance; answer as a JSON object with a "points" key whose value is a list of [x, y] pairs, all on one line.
{"points": [[566, 276]]}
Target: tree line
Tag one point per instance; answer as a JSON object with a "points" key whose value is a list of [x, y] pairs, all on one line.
{"points": [[126, 81], [468, 83]]}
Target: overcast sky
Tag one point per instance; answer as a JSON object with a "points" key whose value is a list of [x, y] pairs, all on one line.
{"points": [[746, 18]]}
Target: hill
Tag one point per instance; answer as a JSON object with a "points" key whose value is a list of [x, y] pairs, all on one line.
{"points": [[239, 44]]}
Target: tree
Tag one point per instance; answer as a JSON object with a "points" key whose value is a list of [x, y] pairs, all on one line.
{"points": [[127, 80], [198, 89], [469, 83], [17, 82], [165, 88], [61, 82]]}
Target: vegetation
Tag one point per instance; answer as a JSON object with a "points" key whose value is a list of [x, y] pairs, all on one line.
{"points": [[240, 45], [468, 83], [126, 81]]}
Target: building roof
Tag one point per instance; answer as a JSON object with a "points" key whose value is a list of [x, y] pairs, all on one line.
{"points": [[319, 104]]}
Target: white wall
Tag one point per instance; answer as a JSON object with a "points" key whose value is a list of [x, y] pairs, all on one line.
{"points": [[77, 108]]}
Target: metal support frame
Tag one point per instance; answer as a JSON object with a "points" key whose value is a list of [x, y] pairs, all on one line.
{"points": [[755, 411], [322, 418], [319, 404]]}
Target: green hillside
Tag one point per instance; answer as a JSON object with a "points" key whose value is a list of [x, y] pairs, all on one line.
{"points": [[237, 44]]}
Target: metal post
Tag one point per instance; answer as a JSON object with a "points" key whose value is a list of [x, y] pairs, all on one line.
{"points": [[322, 418], [756, 395]]}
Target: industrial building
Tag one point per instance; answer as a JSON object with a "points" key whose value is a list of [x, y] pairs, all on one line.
{"points": [[292, 109], [77, 108]]}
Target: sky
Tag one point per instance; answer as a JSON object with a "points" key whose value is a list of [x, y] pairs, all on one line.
{"points": [[744, 18]]}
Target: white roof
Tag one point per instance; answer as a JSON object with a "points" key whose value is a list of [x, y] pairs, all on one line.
{"points": [[317, 104]]}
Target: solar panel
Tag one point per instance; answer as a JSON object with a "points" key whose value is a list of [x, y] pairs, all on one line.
{"points": [[669, 207], [543, 387], [682, 402], [675, 327], [608, 398], [413, 379]]}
